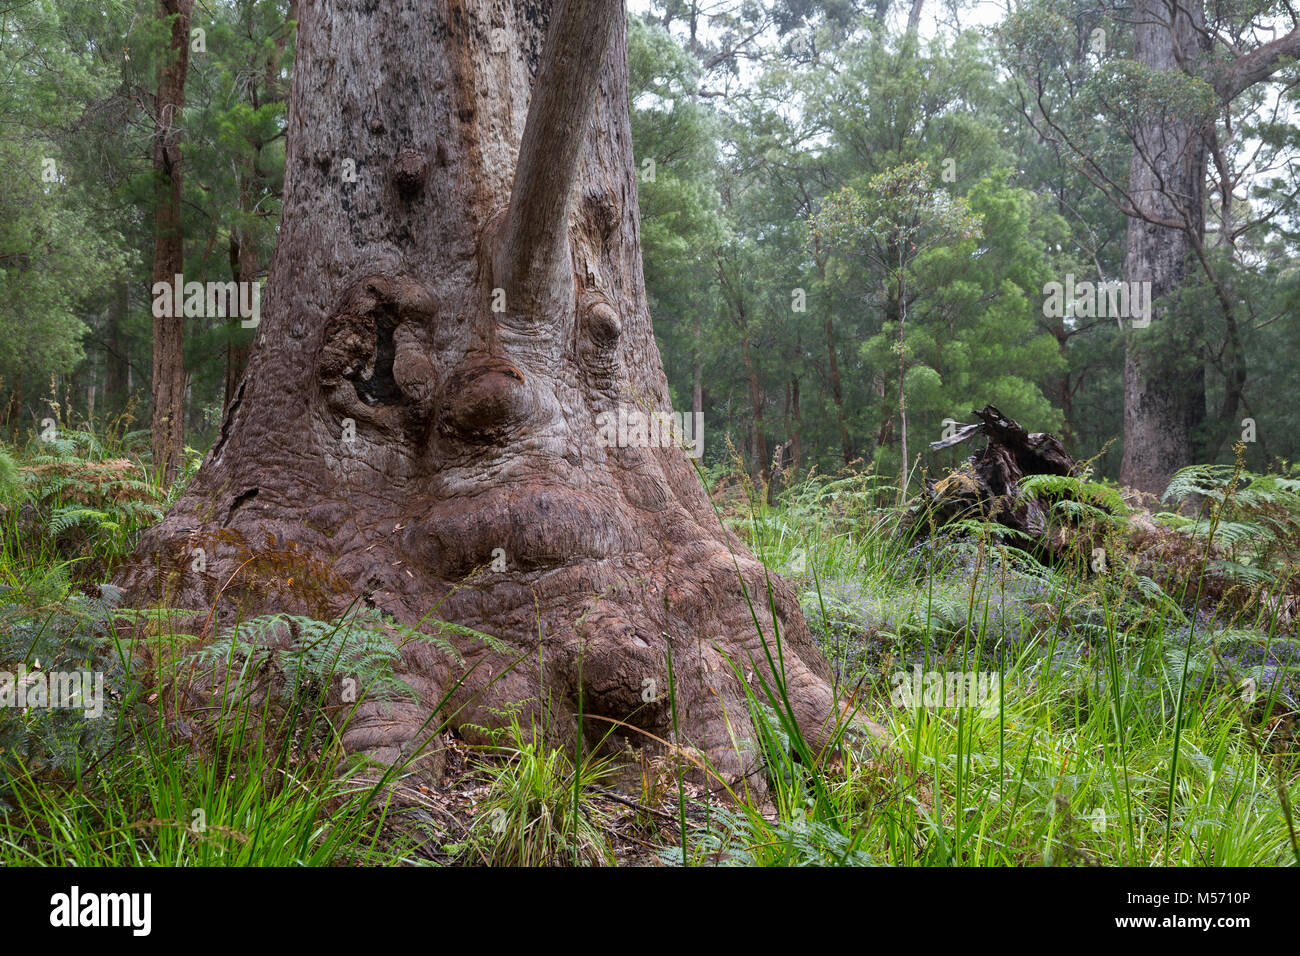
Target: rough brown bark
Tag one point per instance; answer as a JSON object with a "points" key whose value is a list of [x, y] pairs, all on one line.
{"points": [[168, 425], [244, 263], [476, 433]]}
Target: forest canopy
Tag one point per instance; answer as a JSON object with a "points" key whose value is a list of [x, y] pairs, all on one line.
{"points": [[807, 307]]}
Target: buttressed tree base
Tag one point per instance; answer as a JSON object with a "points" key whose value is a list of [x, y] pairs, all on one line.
{"points": [[456, 296]]}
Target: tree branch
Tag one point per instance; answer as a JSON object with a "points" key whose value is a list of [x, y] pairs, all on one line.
{"points": [[1257, 65], [530, 255]]}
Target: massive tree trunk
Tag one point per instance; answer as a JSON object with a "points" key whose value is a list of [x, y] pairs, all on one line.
{"points": [[1164, 372], [470, 301], [244, 264], [168, 426]]}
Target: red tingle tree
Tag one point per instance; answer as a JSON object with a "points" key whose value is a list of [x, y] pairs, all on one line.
{"points": [[456, 296]]}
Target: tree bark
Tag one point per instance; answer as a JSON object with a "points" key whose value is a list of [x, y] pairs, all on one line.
{"points": [[116, 362], [244, 264], [1164, 373], [795, 426], [476, 441], [762, 466], [914, 16], [168, 434], [243, 267]]}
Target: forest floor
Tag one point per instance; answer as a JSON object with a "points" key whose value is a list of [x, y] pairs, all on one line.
{"points": [[1132, 704]]}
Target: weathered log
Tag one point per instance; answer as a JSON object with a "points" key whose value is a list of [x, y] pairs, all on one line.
{"points": [[987, 486]]}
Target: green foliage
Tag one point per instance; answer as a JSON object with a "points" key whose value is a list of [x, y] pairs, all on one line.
{"points": [[81, 502], [1085, 503], [895, 218], [251, 784], [362, 645], [1069, 764], [55, 253], [12, 489], [43, 628], [735, 838], [838, 215], [1257, 522], [538, 809], [1063, 770]]}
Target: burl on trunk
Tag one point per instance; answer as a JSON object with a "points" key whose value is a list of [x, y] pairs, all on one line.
{"points": [[458, 281]]}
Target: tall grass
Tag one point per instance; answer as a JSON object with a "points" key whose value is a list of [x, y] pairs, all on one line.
{"points": [[1119, 733], [1104, 745], [258, 779]]}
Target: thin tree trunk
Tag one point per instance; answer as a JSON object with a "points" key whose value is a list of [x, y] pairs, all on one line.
{"points": [[914, 16], [833, 368], [243, 267], [837, 392], [14, 406], [902, 382], [168, 434], [902, 422], [796, 426], [116, 361], [761, 467]]}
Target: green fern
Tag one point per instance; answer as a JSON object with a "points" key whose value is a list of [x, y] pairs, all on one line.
{"points": [[1100, 498], [12, 490], [362, 645], [1080, 512], [63, 520], [310, 652], [1258, 521]]}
